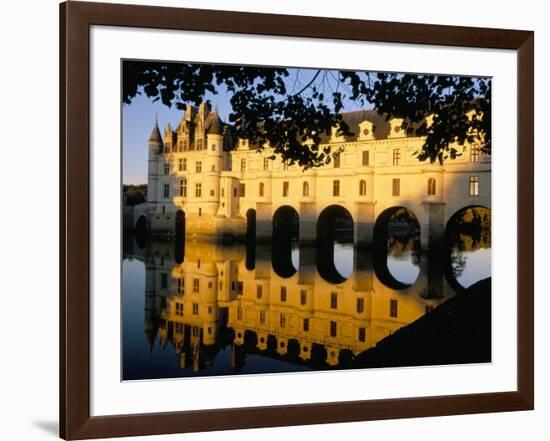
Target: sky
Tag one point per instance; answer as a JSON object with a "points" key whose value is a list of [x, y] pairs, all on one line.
{"points": [[138, 120]]}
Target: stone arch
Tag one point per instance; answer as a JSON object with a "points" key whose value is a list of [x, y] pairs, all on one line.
{"points": [[141, 224], [382, 247], [477, 228], [332, 221], [285, 233]]}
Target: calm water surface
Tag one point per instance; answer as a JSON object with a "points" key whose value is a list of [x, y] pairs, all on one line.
{"points": [[214, 314]]}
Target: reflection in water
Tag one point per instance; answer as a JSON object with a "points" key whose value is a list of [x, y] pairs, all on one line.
{"points": [[222, 310], [397, 248], [469, 240]]}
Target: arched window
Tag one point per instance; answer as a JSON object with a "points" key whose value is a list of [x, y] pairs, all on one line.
{"points": [[261, 189], [305, 189], [362, 187], [431, 186]]}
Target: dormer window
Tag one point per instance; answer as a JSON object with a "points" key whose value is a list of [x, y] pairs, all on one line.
{"points": [[199, 144]]}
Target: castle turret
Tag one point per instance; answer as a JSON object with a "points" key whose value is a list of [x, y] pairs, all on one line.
{"points": [[153, 169]]}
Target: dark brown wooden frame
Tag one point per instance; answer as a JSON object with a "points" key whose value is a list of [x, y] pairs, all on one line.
{"points": [[75, 21]]}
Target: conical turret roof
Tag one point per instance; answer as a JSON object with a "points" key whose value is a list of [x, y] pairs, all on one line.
{"points": [[155, 137]]}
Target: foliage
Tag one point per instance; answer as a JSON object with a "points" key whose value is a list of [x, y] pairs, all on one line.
{"points": [[293, 123], [134, 194]]}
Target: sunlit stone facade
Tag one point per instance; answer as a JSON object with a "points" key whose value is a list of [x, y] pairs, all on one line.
{"points": [[216, 181]]}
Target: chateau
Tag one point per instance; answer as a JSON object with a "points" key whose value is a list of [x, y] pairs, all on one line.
{"points": [[203, 180]]}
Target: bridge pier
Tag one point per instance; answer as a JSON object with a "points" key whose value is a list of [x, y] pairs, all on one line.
{"points": [[363, 228], [432, 226], [307, 265], [264, 224], [363, 270], [308, 223]]}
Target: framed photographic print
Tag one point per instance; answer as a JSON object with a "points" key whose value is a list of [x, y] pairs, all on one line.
{"points": [[277, 220]]}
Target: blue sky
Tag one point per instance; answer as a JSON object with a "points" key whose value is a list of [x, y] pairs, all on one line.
{"points": [[138, 119]]}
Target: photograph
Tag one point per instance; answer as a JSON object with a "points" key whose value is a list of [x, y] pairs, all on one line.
{"points": [[291, 219]]}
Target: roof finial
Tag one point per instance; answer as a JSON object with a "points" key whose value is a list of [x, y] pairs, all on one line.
{"points": [[156, 118]]}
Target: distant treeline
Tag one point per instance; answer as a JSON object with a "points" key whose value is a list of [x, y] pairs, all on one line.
{"points": [[134, 194]]}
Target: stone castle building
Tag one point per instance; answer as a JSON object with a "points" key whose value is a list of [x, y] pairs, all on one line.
{"points": [[203, 180]]}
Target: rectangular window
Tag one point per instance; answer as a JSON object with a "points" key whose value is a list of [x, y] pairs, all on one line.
{"points": [[196, 284], [239, 313], [306, 324], [180, 164], [179, 308], [184, 164], [163, 303], [212, 193], [474, 186], [259, 291], [183, 188], [166, 168], [360, 305], [337, 160], [166, 191], [366, 158], [213, 147], [283, 293], [262, 317], [285, 189], [213, 167], [396, 187], [198, 167], [239, 287], [474, 153], [198, 190], [199, 144], [243, 165], [243, 190], [362, 334], [333, 329], [336, 188], [235, 192], [396, 156], [181, 284], [333, 300], [195, 309], [185, 145], [303, 296], [164, 280], [393, 308], [282, 320], [266, 164]]}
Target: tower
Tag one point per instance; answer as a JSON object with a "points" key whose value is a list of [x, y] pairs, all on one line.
{"points": [[153, 171]]}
